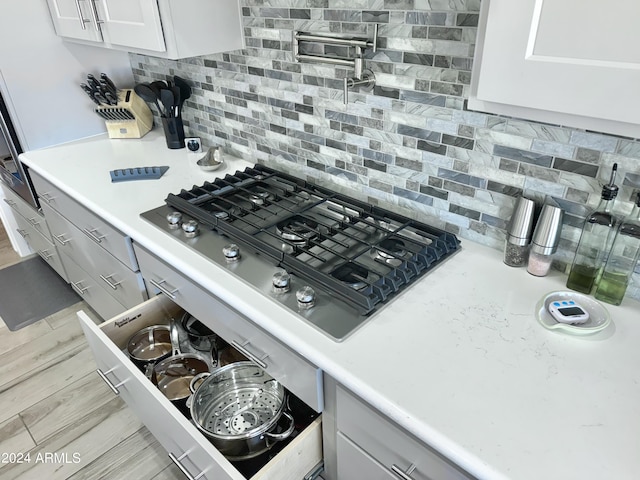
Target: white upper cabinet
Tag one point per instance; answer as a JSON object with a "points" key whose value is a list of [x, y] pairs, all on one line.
{"points": [[75, 18], [162, 28], [131, 23], [567, 62]]}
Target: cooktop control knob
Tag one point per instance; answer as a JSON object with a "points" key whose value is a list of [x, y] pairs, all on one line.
{"points": [[306, 297], [281, 282], [190, 228], [231, 252], [174, 219]]}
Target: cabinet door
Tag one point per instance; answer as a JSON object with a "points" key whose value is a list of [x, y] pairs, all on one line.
{"points": [[74, 19], [355, 464], [132, 23], [569, 62]]}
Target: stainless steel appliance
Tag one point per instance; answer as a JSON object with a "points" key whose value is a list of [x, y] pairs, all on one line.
{"points": [[332, 259], [12, 172]]}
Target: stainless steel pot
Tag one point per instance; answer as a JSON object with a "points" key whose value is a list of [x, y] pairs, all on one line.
{"points": [[173, 375], [200, 336], [149, 345], [239, 408]]}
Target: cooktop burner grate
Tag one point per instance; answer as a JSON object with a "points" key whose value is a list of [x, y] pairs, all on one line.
{"points": [[314, 232]]}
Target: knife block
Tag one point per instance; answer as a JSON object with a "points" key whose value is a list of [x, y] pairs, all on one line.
{"points": [[130, 118]]}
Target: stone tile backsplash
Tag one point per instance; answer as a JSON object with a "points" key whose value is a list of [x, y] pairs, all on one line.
{"points": [[409, 144]]}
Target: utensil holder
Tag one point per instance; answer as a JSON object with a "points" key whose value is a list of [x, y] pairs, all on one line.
{"points": [[173, 132]]}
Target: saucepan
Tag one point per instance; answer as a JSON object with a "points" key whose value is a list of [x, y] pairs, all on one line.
{"points": [[240, 408], [149, 345], [200, 336], [173, 375]]}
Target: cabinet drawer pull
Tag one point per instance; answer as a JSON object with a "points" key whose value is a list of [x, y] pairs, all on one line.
{"points": [[241, 348], [183, 469], [79, 289], [401, 473], [11, 203], [61, 240], [82, 20], [109, 282], [33, 221], [23, 233], [163, 289], [103, 376], [90, 233], [47, 197], [45, 254]]}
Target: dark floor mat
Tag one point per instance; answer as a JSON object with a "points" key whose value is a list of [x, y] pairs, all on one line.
{"points": [[30, 291]]}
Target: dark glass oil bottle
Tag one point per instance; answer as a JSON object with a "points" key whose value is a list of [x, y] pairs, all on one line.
{"points": [[622, 259], [595, 241]]}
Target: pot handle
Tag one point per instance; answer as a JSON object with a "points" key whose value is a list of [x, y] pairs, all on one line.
{"points": [[175, 338], [197, 377], [284, 435]]}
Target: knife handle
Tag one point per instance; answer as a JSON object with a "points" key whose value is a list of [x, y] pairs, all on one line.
{"points": [[93, 83], [112, 86], [106, 88], [89, 92], [100, 98]]}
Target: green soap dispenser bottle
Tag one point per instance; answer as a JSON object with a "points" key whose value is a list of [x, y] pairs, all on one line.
{"points": [[622, 259], [595, 241]]}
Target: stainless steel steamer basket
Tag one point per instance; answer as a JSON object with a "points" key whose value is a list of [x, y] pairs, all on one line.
{"points": [[238, 407]]}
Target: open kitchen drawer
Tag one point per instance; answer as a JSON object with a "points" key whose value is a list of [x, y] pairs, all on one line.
{"points": [[185, 445]]}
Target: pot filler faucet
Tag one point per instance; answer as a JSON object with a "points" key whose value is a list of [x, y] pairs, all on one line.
{"points": [[362, 77]]}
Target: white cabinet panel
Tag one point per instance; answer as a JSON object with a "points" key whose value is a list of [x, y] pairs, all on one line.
{"points": [[132, 24], [569, 62], [355, 464], [74, 19]]}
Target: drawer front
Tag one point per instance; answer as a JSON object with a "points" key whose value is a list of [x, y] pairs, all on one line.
{"points": [[124, 285], [389, 445], [99, 231], [301, 377], [186, 446], [34, 217], [355, 464], [90, 290], [41, 245]]}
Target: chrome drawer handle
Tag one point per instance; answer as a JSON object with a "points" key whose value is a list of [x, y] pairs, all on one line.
{"points": [[163, 289], [401, 473], [45, 254], [109, 282], [89, 233], [33, 221], [79, 290], [23, 233], [183, 469], [46, 197], [61, 240], [241, 348], [103, 376], [11, 203]]}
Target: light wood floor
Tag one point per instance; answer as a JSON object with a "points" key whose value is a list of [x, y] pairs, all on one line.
{"points": [[54, 407]]}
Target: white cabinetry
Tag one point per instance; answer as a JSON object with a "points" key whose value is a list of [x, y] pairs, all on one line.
{"points": [[570, 62], [185, 445], [33, 228], [97, 258], [163, 28], [370, 446]]}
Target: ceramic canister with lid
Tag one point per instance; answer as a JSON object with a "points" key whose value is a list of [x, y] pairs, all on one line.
{"points": [[516, 248], [545, 240]]}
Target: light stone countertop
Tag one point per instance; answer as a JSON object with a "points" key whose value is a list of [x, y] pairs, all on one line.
{"points": [[458, 359]]}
